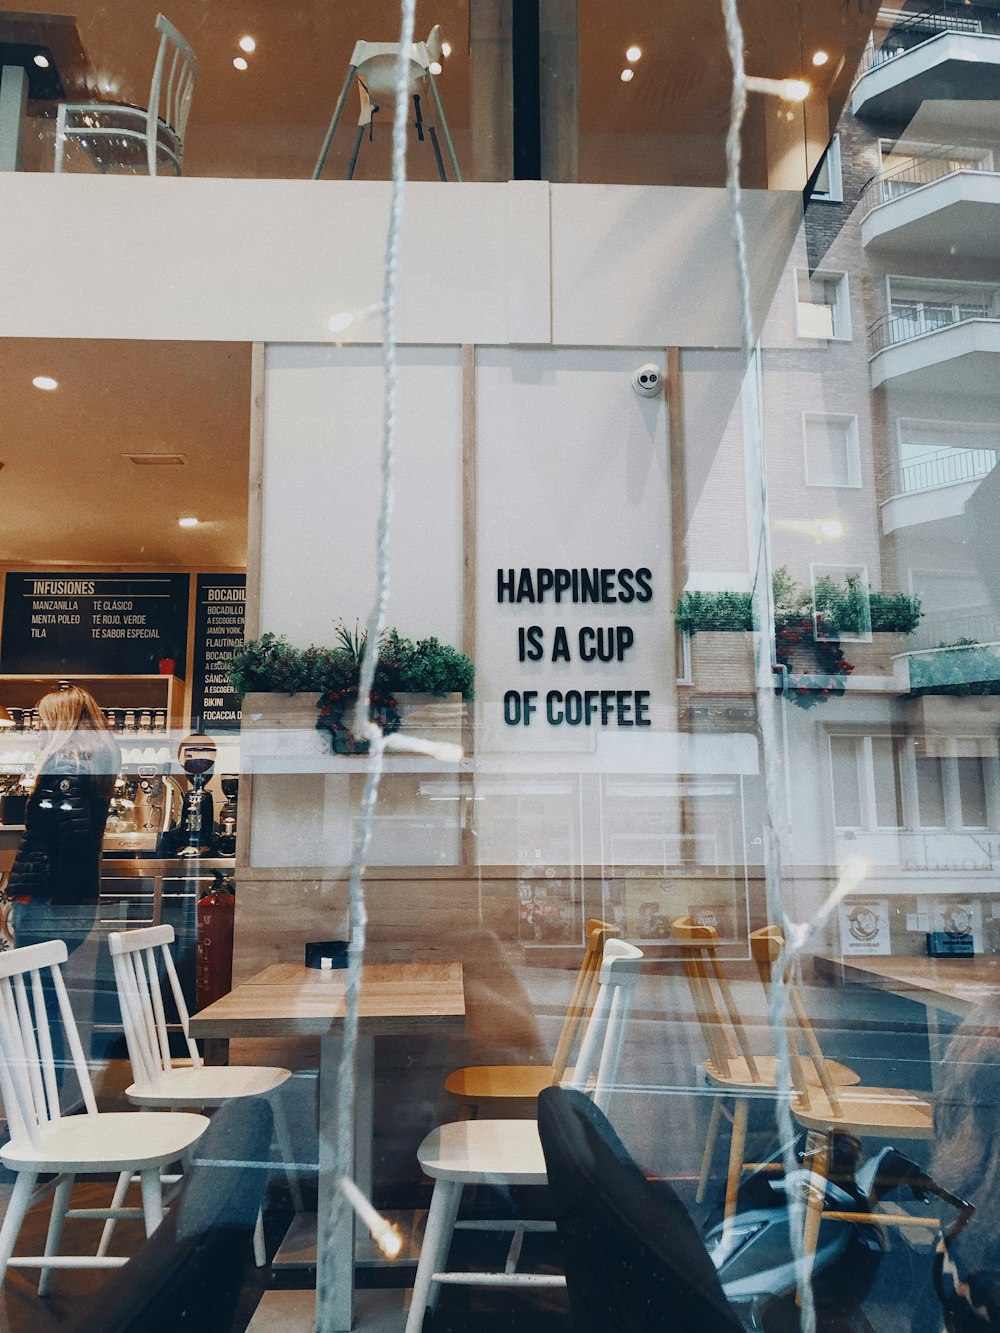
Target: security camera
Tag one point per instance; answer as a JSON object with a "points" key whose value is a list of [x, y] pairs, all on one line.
{"points": [[647, 381]]}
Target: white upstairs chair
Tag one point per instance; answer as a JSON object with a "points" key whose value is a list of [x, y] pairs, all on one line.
{"points": [[509, 1152], [121, 138], [42, 1140], [140, 957], [374, 65]]}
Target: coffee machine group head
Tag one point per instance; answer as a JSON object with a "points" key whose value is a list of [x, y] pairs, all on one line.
{"points": [[196, 754]]}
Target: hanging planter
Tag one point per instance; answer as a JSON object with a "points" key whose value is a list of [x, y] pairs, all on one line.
{"points": [[815, 668], [335, 712]]}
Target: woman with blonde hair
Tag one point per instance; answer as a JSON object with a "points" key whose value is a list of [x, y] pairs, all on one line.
{"points": [[56, 876]]}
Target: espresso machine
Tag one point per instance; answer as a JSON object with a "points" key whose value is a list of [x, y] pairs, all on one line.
{"points": [[196, 754], [145, 809], [225, 843]]}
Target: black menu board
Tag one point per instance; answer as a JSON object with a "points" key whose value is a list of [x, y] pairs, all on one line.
{"points": [[93, 624], [219, 614]]}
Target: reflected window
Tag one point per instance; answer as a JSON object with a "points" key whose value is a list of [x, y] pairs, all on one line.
{"points": [[823, 305], [829, 187], [831, 448]]}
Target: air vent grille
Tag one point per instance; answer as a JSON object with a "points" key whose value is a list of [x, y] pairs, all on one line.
{"points": [[156, 460]]}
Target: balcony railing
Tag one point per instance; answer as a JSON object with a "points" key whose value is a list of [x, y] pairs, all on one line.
{"points": [[911, 319], [942, 468], [922, 169], [912, 30], [948, 627]]}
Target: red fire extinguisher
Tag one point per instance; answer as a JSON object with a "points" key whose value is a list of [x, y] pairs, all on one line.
{"points": [[214, 954]]}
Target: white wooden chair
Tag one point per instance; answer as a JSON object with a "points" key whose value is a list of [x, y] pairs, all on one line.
{"points": [[374, 65], [42, 1140], [509, 1152], [139, 957], [120, 138]]}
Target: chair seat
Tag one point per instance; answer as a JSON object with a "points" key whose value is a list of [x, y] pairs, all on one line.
{"points": [[211, 1085], [738, 1074], [893, 1112], [111, 1141], [479, 1083], [507, 1152]]}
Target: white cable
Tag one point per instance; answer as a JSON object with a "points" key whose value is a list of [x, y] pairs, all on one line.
{"points": [[767, 704], [327, 1277]]}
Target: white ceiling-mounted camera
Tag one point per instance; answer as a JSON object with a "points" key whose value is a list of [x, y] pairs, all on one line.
{"points": [[647, 381]]}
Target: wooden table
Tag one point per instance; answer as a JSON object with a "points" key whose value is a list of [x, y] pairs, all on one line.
{"points": [[288, 999], [953, 984], [22, 37]]}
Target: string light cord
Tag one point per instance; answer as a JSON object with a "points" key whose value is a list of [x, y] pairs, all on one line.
{"points": [[775, 779], [327, 1276]]}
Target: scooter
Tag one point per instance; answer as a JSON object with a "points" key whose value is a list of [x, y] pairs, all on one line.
{"points": [[754, 1258]]}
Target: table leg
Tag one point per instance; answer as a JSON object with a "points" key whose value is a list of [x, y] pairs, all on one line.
{"points": [[13, 102], [335, 1248]]}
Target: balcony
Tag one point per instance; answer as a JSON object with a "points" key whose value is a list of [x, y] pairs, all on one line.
{"points": [[945, 199], [935, 486], [939, 337], [944, 55]]}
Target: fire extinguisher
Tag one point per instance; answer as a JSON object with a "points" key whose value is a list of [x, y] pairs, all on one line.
{"points": [[214, 954]]}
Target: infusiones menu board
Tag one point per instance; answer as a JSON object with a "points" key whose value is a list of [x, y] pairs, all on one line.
{"points": [[220, 611], [93, 624]]}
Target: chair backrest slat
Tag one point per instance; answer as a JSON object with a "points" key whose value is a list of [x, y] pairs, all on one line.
{"points": [[767, 947], [137, 957], [603, 1037], [597, 934], [27, 1067], [714, 1003], [170, 89]]}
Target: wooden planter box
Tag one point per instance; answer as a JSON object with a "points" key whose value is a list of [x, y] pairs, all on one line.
{"points": [[283, 726]]}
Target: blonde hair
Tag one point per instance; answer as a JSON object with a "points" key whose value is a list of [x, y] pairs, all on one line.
{"points": [[64, 714]]}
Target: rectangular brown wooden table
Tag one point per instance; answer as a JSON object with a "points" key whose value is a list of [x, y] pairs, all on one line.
{"points": [[288, 999], [956, 985]]}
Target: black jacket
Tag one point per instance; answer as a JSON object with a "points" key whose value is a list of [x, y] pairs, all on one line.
{"points": [[59, 859]]}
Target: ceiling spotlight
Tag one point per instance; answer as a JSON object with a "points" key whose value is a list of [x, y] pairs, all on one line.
{"points": [[795, 90], [45, 382], [820, 57], [627, 75], [188, 521], [435, 67], [633, 54], [446, 49], [240, 63], [41, 61], [248, 44]]}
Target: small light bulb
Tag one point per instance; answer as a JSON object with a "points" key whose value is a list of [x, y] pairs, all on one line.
{"points": [[820, 58], [45, 382], [240, 63], [633, 54], [435, 67], [341, 321], [446, 49], [248, 44], [795, 90], [627, 75], [832, 529], [188, 521], [41, 61]]}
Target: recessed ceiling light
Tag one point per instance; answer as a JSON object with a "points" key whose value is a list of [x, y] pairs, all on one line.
{"points": [[188, 521], [45, 382], [240, 63], [41, 61], [435, 67], [248, 44], [820, 57], [795, 90], [627, 75], [446, 49], [633, 54]]}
